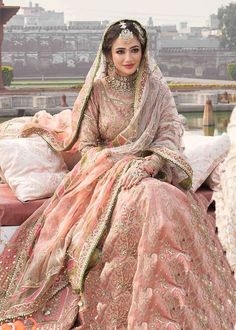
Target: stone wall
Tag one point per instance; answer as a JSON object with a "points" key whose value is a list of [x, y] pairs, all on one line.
{"points": [[195, 62], [69, 52]]}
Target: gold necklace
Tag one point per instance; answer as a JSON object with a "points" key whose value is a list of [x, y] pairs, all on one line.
{"points": [[122, 84]]}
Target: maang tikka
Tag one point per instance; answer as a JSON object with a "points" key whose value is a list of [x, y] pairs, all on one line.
{"points": [[125, 34]]}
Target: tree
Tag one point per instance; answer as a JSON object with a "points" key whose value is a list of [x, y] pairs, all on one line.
{"points": [[227, 20], [231, 69]]}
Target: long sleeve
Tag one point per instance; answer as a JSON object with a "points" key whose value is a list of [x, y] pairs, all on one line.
{"points": [[168, 139], [170, 129], [89, 136]]}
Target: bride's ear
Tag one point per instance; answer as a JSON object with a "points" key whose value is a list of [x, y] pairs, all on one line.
{"points": [[110, 63]]}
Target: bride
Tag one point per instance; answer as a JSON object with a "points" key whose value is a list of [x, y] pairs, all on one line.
{"points": [[123, 243]]}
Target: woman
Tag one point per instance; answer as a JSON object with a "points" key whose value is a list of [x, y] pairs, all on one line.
{"points": [[121, 244]]}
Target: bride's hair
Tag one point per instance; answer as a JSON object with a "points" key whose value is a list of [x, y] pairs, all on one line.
{"points": [[115, 29]]}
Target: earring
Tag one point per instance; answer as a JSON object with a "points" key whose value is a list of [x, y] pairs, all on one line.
{"points": [[110, 67]]}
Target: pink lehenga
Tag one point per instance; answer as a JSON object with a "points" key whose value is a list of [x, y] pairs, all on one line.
{"points": [[97, 256]]}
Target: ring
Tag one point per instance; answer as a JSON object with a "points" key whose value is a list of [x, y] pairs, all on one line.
{"points": [[138, 173]]}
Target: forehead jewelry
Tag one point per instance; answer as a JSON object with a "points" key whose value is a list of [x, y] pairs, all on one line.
{"points": [[122, 25], [125, 33]]}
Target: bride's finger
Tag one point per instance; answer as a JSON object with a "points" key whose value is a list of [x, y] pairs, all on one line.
{"points": [[122, 181], [124, 178], [148, 168], [134, 182], [127, 180]]}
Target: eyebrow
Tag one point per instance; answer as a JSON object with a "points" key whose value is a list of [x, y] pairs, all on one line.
{"points": [[121, 48]]}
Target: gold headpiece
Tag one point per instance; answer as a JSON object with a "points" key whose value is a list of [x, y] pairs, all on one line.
{"points": [[141, 33], [125, 34]]}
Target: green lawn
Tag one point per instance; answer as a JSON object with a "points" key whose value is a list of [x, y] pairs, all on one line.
{"points": [[77, 83], [52, 83]]}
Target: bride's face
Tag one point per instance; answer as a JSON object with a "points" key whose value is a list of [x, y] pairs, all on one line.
{"points": [[126, 55]]}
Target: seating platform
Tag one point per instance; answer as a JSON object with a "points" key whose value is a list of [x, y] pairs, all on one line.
{"points": [[12, 211]]}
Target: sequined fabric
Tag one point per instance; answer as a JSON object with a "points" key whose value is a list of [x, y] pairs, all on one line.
{"points": [[107, 115], [145, 258], [162, 266]]}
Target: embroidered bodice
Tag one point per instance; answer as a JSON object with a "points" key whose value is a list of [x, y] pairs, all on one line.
{"points": [[109, 112]]}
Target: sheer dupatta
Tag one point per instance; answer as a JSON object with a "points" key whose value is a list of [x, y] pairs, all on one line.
{"points": [[65, 235]]}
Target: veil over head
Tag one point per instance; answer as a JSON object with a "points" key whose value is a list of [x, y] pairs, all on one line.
{"points": [[98, 70], [141, 136]]}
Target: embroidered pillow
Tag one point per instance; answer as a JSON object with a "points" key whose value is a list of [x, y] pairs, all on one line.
{"points": [[204, 153], [30, 167]]}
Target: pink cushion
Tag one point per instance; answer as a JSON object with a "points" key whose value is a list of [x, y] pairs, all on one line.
{"points": [[12, 211]]}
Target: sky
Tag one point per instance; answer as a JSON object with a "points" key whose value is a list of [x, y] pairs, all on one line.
{"points": [[167, 12]]}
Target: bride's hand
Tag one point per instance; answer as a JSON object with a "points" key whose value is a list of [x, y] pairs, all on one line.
{"points": [[133, 176], [152, 164], [147, 167]]}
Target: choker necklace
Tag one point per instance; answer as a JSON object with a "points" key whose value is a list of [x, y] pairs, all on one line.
{"points": [[122, 84]]}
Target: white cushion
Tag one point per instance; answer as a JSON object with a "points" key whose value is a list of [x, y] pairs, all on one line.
{"points": [[231, 129], [6, 232], [204, 153], [30, 167]]}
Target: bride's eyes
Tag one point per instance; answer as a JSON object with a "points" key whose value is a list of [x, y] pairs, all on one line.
{"points": [[133, 50], [120, 51]]}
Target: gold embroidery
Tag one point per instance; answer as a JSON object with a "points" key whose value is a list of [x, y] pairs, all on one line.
{"points": [[82, 261]]}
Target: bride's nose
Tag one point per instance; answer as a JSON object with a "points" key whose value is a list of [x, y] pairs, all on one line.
{"points": [[128, 57]]}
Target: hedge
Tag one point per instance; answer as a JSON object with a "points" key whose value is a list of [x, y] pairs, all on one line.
{"points": [[231, 69], [7, 75]]}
